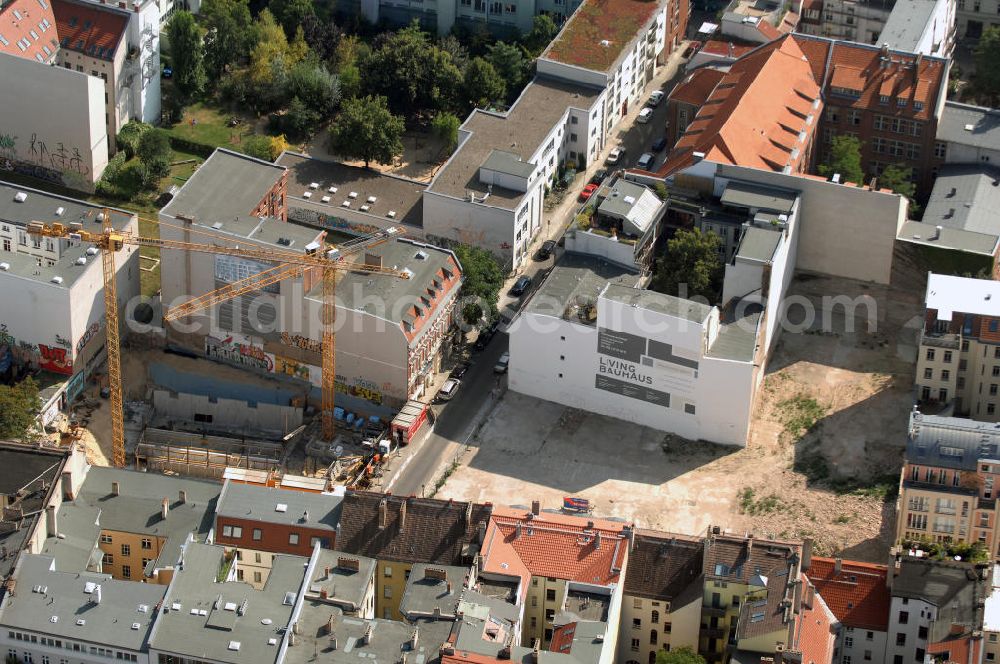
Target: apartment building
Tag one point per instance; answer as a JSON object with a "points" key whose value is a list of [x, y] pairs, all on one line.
{"points": [[969, 134], [947, 482], [567, 569], [937, 610], [52, 302], [974, 16], [661, 605], [857, 594], [343, 581], [991, 621], [491, 192], [400, 532], [259, 522], [958, 361]]}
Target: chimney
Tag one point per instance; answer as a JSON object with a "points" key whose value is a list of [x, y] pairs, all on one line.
{"points": [[350, 564], [383, 513], [732, 51], [697, 156], [468, 516], [885, 49], [324, 593], [115, 489], [328, 569], [436, 573], [182, 496], [838, 565], [121, 5], [291, 638], [779, 654], [96, 595], [535, 648], [328, 627], [295, 627], [369, 634], [67, 485], [402, 513], [937, 233], [481, 535], [414, 636], [749, 543], [536, 507], [517, 530], [597, 541], [164, 508], [449, 588], [807, 554], [333, 642], [51, 528]]}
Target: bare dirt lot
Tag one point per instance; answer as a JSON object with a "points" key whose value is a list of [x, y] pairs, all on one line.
{"points": [[822, 462]]}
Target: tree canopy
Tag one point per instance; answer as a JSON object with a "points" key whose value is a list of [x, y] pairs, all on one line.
{"points": [[897, 178], [366, 129], [509, 62], [483, 85], [987, 55], [543, 31], [186, 54], [18, 409], [682, 655], [845, 159], [228, 34], [691, 267], [291, 14], [482, 279], [445, 126]]}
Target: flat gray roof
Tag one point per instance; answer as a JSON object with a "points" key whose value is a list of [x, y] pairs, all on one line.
{"points": [[744, 194], [386, 295], [426, 594], [66, 605], [668, 305], [917, 232], [966, 124], [136, 509], [965, 196], [907, 23], [520, 132], [389, 638], [759, 244], [344, 585], [33, 474], [281, 506], [43, 206], [737, 338], [398, 194], [576, 281], [227, 185], [225, 622], [264, 230], [507, 162]]}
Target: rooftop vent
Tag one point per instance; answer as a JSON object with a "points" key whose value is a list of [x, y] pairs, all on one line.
{"points": [[314, 185], [57, 280], [353, 194], [307, 194], [100, 216], [81, 622], [135, 625], [421, 255], [325, 199], [372, 199], [217, 225], [391, 214], [969, 127], [332, 190], [289, 598], [5, 266], [281, 507], [59, 211], [143, 608], [345, 204], [605, 43], [54, 619], [230, 606], [365, 207], [20, 197], [234, 646]]}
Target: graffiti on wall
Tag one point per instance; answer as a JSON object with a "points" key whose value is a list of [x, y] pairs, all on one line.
{"points": [[301, 342], [240, 352], [55, 359], [363, 389], [54, 163], [87, 336], [289, 367]]}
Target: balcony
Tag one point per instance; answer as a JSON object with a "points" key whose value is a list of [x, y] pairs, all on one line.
{"points": [[944, 530], [716, 611], [713, 632]]}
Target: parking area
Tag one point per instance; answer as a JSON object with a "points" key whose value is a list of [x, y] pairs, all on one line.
{"points": [[824, 453]]}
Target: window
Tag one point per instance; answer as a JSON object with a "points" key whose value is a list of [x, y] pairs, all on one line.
{"points": [[667, 627], [945, 374], [654, 617], [930, 354], [689, 408], [636, 623], [922, 633], [387, 592], [146, 561], [105, 538], [635, 642], [947, 356], [991, 408], [920, 654], [108, 559], [387, 572], [653, 637], [846, 659], [126, 550], [126, 571], [941, 151], [996, 371], [550, 615], [928, 374], [293, 538], [868, 655], [848, 641], [147, 543], [904, 616]]}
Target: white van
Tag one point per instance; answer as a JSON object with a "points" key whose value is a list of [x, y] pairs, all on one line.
{"points": [[645, 115]]}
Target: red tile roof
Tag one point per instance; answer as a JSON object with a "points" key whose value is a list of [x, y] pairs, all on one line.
{"points": [[553, 545], [598, 31], [767, 30], [27, 29], [816, 635], [88, 28], [698, 85], [562, 638], [756, 113], [858, 595], [723, 47]]}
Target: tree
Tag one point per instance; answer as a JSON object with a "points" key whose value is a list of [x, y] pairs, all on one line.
{"points": [[228, 34], [543, 30], [682, 655], [445, 126], [897, 178], [187, 55], [19, 406], [845, 159], [322, 36], [291, 13], [298, 119], [987, 56], [692, 260], [317, 88], [153, 152], [128, 137], [482, 279], [483, 85], [350, 82], [508, 61], [366, 129]]}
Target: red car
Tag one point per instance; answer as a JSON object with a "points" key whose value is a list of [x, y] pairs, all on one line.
{"points": [[588, 191]]}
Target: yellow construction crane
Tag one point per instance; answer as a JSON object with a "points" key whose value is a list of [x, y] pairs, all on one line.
{"points": [[289, 264]]}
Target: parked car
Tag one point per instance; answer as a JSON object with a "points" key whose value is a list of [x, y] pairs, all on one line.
{"points": [[655, 98], [502, 363], [168, 72], [659, 145], [545, 251], [600, 176], [449, 389], [615, 156], [588, 191], [645, 115], [459, 370], [646, 161], [485, 335], [521, 286]]}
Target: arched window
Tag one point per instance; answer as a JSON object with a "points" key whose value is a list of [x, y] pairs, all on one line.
{"points": [[652, 657], [652, 637], [656, 617]]}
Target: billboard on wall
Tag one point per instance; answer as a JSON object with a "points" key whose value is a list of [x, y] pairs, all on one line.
{"points": [[230, 269], [644, 369]]}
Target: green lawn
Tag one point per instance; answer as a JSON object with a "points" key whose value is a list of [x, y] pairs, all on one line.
{"points": [[210, 126]]}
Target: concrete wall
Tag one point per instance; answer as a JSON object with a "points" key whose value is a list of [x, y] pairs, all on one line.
{"points": [[482, 225], [844, 231], [52, 126], [586, 242], [229, 413]]}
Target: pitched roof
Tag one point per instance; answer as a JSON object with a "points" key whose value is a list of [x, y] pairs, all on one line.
{"points": [[815, 633], [520, 543], [662, 565], [857, 595], [761, 113], [27, 29], [698, 85], [737, 559], [410, 530], [89, 28]]}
